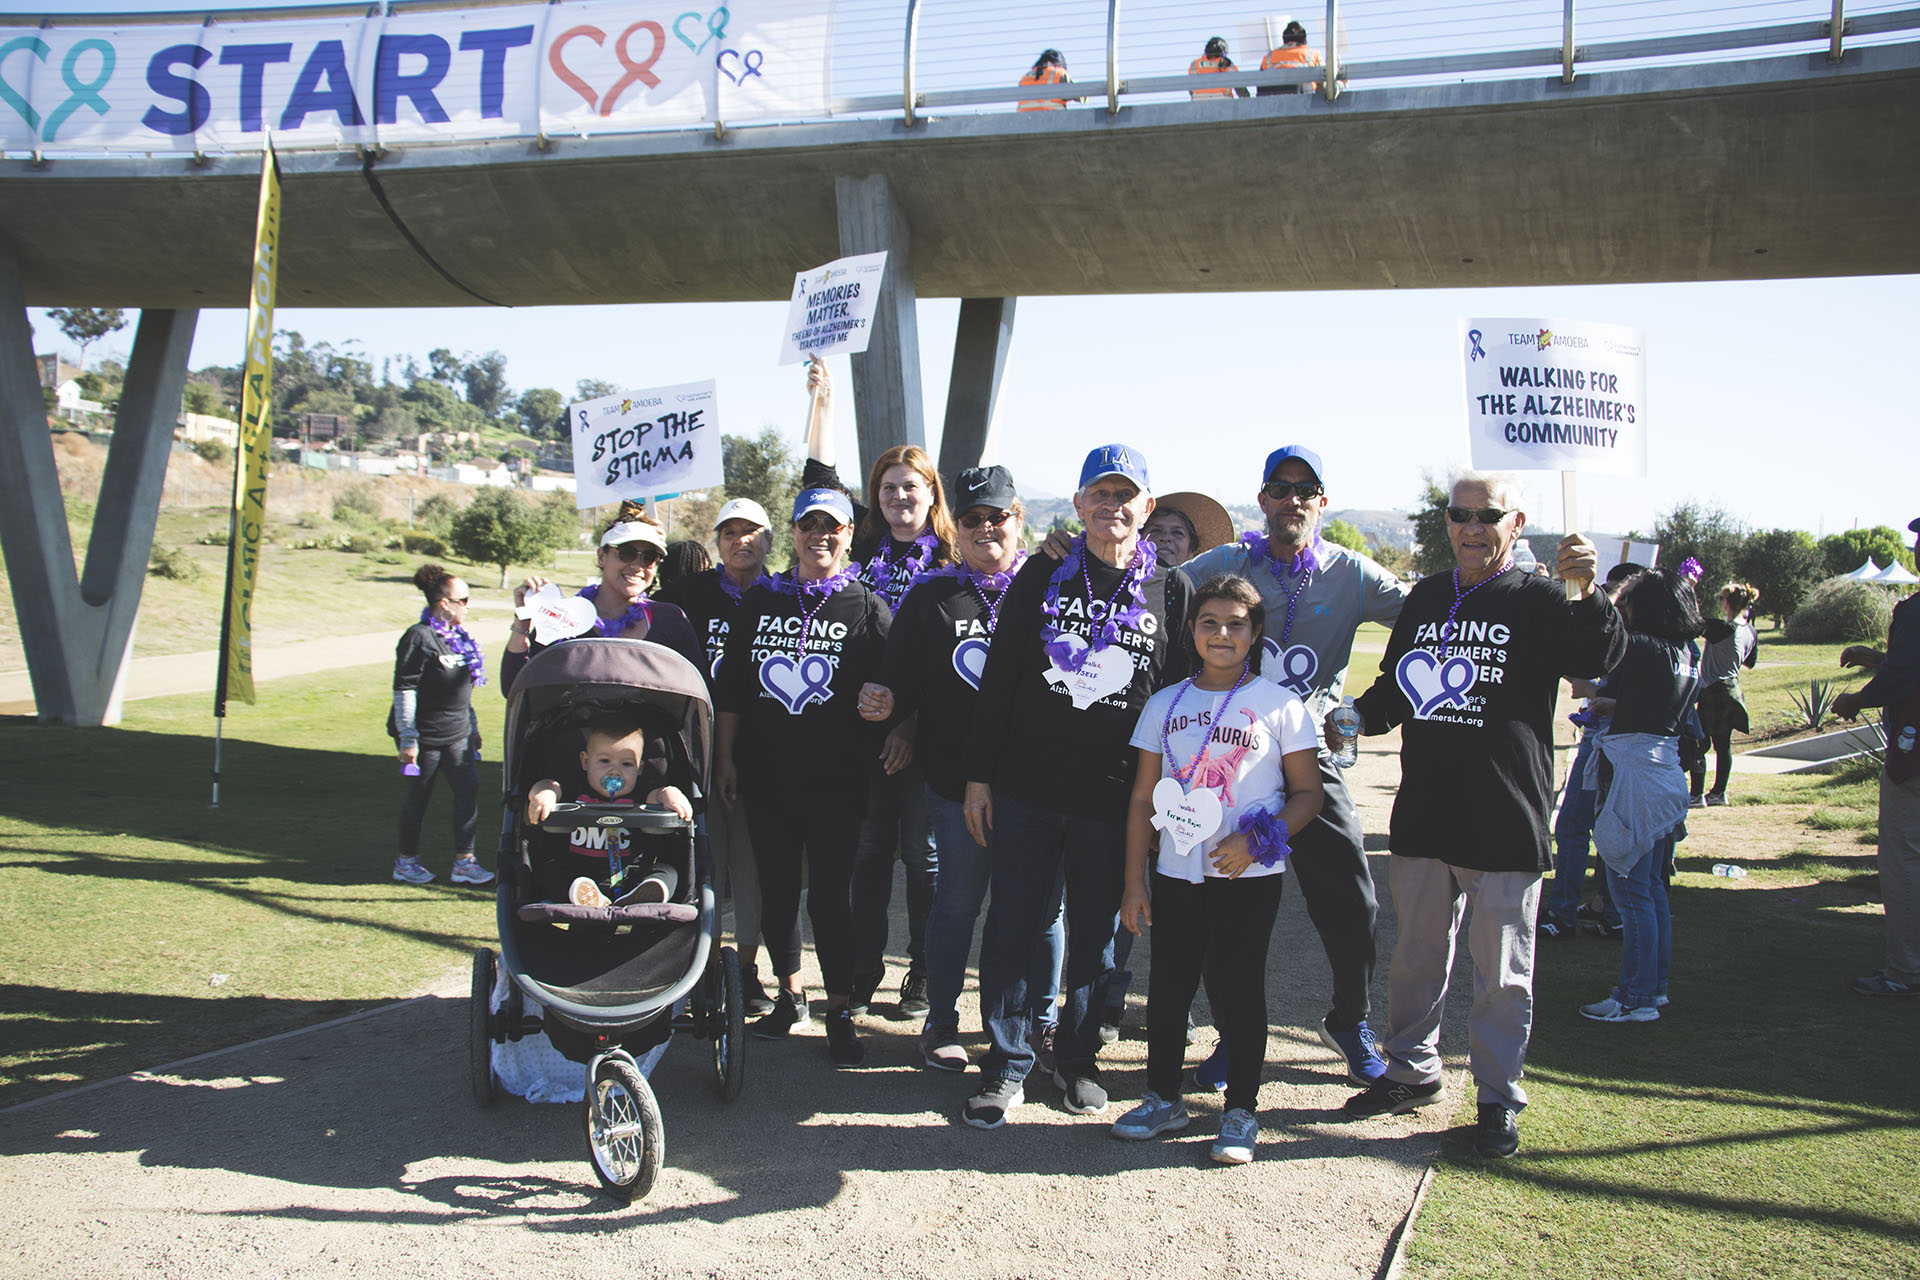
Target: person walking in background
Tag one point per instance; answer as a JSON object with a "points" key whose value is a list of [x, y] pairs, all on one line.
{"points": [[1293, 52], [1731, 645], [1896, 688], [1213, 60], [683, 559], [1048, 68], [435, 667]]}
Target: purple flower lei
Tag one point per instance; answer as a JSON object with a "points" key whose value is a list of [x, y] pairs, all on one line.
{"points": [[1219, 717], [460, 642], [883, 570], [1132, 584], [1691, 569], [638, 611], [789, 584], [1304, 564], [1267, 836], [734, 590], [982, 583], [1447, 629]]}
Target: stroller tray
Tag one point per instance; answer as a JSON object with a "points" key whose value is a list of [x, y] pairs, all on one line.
{"points": [[568, 913]]}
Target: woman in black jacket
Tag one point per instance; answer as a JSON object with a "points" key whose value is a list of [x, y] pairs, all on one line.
{"points": [[435, 667]]}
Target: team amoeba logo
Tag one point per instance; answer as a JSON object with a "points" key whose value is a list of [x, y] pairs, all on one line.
{"points": [[1546, 339]]}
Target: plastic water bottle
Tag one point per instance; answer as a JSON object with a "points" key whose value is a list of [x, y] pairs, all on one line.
{"points": [[1728, 871], [1346, 722], [1904, 743]]}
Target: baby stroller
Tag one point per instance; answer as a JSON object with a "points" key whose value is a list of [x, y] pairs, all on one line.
{"points": [[609, 982]]}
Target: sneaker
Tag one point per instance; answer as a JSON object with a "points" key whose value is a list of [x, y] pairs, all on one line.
{"points": [[988, 1108], [1696, 801], [1359, 1048], [468, 870], [1111, 1022], [1596, 922], [1211, 1075], [1043, 1040], [1193, 1031], [409, 871], [1082, 1095], [1496, 1133], [755, 997], [788, 1012], [655, 888], [1388, 1097], [1238, 1133], [913, 995], [1611, 1010], [941, 1047], [1661, 1002], [583, 892], [1879, 984], [862, 999], [1716, 799], [1153, 1117], [1551, 928], [843, 1042]]}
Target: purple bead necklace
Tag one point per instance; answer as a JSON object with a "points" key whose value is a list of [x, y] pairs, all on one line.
{"points": [[1447, 631], [1206, 748]]}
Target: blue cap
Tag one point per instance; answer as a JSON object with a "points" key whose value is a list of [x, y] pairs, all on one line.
{"points": [[1299, 451], [823, 500], [1115, 460]]}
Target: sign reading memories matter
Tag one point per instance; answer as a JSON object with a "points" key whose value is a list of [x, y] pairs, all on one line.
{"points": [[645, 444], [1555, 395], [832, 308]]}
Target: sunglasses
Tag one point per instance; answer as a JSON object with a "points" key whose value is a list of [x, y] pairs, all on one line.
{"points": [[456, 599], [1305, 490], [645, 552], [992, 519], [818, 522], [1485, 515]]}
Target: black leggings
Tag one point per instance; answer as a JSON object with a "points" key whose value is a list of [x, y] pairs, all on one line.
{"points": [[820, 825], [1220, 927], [462, 769]]}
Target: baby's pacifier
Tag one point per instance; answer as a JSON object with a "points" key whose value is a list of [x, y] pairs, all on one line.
{"points": [[612, 785]]}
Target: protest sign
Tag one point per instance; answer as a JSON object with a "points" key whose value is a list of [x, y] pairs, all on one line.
{"points": [[832, 308], [1555, 395], [645, 444], [1618, 551]]}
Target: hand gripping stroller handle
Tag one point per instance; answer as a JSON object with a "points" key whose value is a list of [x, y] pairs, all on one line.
{"points": [[651, 819]]}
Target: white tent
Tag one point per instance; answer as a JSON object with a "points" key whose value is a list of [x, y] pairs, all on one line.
{"points": [[1866, 572], [1895, 575]]}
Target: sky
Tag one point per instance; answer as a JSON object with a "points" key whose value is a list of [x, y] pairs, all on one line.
{"points": [[1779, 401]]}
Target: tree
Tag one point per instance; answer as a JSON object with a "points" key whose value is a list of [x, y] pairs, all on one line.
{"points": [[594, 389], [1342, 534], [486, 380], [540, 409], [1707, 534], [1783, 565], [445, 367], [1847, 551], [85, 326], [762, 468], [501, 527], [1432, 552]]}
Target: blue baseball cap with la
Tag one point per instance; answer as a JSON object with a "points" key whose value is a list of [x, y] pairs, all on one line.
{"points": [[1115, 460], [1299, 451], [831, 500]]}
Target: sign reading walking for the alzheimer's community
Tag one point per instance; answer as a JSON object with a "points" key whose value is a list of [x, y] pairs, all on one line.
{"points": [[579, 68], [645, 444], [832, 308], [1555, 395]]}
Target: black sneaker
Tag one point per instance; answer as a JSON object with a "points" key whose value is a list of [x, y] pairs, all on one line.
{"points": [[1596, 922], [1497, 1133], [1082, 1095], [843, 1042], [1042, 1038], [988, 1108], [788, 1012], [913, 994], [1551, 928], [758, 1002], [1386, 1097]]}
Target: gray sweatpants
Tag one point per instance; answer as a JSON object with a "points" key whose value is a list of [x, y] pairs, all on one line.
{"points": [[736, 877], [1430, 899]]}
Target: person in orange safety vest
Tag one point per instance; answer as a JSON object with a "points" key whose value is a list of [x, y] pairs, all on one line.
{"points": [[1293, 52], [1214, 61], [1051, 68]]}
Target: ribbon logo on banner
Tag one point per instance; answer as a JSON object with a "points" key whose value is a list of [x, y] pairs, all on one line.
{"points": [[80, 95], [641, 72], [1431, 684], [1478, 352], [796, 684]]}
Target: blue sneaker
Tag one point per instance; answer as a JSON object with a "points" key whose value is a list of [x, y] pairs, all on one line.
{"points": [[409, 871], [1211, 1075], [1239, 1131], [1358, 1047], [1153, 1117]]}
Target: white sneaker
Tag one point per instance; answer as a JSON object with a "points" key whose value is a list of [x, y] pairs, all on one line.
{"points": [[583, 892], [1611, 1010]]}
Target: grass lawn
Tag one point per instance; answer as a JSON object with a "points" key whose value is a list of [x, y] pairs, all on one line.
{"points": [[1767, 1125], [144, 927]]}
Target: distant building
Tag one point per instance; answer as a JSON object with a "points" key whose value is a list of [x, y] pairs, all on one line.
{"points": [[204, 426], [322, 428], [72, 404], [54, 370]]}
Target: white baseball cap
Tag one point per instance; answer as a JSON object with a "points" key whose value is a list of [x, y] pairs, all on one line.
{"points": [[634, 531], [742, 509]]}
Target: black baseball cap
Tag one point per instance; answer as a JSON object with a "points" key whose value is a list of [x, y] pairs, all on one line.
{"points": [[984, 487]]}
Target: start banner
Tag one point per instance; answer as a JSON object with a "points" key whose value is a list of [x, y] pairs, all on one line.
{"points": [[564, 69]]}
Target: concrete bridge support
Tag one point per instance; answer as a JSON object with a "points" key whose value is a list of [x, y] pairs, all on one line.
{"points": [[76, 631], [979, 359]]}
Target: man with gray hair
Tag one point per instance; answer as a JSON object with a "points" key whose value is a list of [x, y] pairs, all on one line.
{"points": [[1471, 674]]}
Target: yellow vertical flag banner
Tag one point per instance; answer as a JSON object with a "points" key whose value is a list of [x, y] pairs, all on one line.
{"points": [[256, 443]]}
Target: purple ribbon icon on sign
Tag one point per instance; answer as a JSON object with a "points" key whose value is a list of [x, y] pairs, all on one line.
{"points": [[796, 684], [1430, 683], [970, 660], [1478, 352], [1292, 669]]}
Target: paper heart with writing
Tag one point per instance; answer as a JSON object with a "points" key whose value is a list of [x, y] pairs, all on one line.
{"points": [[1188, 818], [1430, 683], [1101, 672], [555, 615], [796, 684], [970, 660]]}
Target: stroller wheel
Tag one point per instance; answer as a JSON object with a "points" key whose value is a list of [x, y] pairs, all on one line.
{"points": [[486, 1090], [625, 1139], [730, 1030]]}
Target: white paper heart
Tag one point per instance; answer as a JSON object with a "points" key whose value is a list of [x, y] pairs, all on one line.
{"points": [[556, 616], [1105, 671], [1187, 818]]}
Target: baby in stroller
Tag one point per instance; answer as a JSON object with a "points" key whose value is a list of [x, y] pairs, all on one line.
{"points": [[602, 866]]}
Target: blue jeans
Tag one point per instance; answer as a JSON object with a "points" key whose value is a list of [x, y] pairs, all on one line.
{"points": [[1041, 858], [965, 871], [1647, 943], [1572, 833], [896, 823]]}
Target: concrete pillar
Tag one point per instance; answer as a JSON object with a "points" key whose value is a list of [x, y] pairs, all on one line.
{"points": [[980, 347], [76, 632], [887, 401]]}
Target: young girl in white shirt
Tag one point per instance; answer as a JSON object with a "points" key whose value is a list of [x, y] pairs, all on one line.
{"points": [[1227, 771]]}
